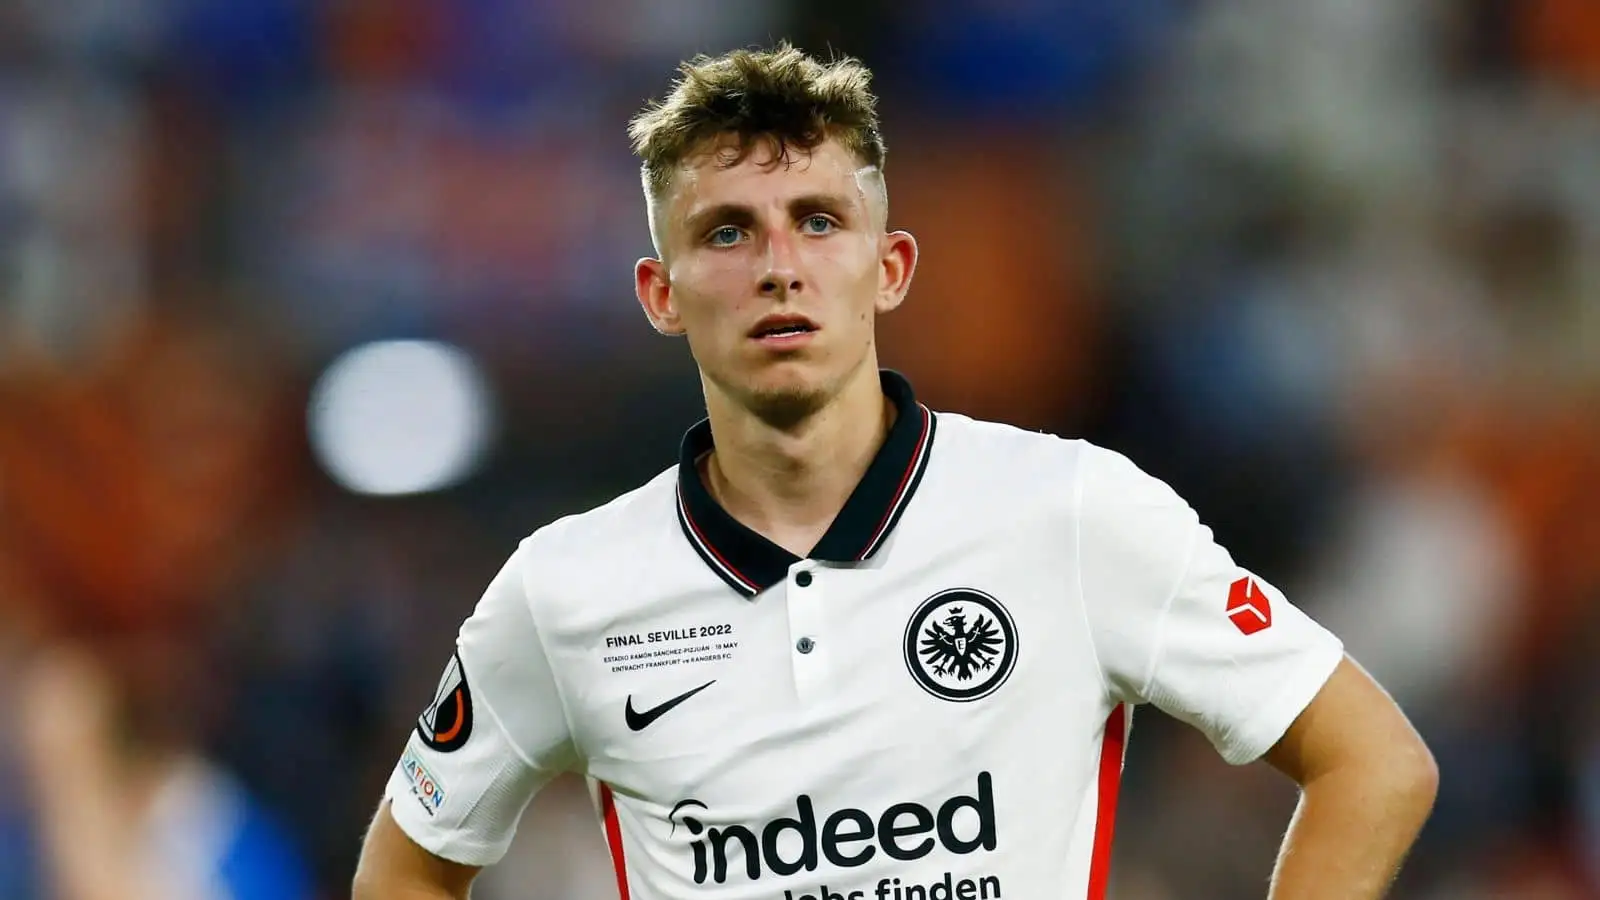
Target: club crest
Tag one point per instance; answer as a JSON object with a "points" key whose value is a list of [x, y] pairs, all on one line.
{"points": [[960, 645]]}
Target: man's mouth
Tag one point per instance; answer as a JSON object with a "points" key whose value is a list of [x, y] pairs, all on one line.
{"points": [[782, 326]]}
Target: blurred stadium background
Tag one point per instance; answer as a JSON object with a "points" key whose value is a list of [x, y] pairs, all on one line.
{"points": [[309, 309]]}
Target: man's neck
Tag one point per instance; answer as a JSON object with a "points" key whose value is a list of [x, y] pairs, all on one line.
{"points": [[789, 484]]}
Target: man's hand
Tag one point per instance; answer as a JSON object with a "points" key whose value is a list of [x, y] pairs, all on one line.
{"points": [[1368, 783], [393, 867]]}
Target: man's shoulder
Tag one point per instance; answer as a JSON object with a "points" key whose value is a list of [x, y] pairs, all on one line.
{"points": [[968, 441], [1042, 463]]}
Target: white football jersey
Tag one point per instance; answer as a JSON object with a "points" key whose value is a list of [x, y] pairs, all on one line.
{"points": [[933, 706]]}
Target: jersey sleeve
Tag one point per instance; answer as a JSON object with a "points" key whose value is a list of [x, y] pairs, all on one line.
{"points": [[1178, 624], [493, 735]]}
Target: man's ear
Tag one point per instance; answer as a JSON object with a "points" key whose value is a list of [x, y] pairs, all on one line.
{"points": [[895, 268], [654, 289]]}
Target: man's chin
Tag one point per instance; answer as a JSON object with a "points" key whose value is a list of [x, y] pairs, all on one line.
{"points": [[783, 406], [780, 393]]}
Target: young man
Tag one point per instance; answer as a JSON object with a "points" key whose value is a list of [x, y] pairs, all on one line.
{"points": [[849, 648]]}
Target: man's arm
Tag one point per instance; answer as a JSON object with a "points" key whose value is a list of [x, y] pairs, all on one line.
{"points": [[1179, 624], [1368, 783], [394, 867], [494, 735]]}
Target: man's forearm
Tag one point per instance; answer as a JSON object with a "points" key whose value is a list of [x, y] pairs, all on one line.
{"points": [[392, 867], [1351, 832], [378, 889]]}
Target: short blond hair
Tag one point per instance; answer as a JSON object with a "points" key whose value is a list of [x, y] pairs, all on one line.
{"points": [[780, 97]]}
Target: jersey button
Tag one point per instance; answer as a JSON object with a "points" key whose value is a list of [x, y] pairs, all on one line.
{"points": [[805, 645], [803, 579]]}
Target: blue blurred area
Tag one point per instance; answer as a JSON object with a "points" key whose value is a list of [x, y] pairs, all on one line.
{"points": [[1331, 269], [251, 53], [1026, 61]]}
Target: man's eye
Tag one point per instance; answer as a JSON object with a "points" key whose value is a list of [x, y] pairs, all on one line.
{"points": [[725, 236], [818, 224]]}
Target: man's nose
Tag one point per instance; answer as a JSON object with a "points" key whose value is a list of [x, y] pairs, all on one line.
{"points": [[782, 275]]}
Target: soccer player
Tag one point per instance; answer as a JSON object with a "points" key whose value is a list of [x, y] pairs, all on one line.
{"points": [[849, 647]]}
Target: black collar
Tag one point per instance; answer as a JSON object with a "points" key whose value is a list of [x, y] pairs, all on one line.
{"points": [[750, 563]]}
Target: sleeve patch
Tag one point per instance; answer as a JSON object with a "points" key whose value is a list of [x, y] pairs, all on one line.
{"points": [[446, 725], [1248, 607]]}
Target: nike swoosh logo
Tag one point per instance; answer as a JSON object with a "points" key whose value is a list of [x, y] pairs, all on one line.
{"points": [[639, 721]]}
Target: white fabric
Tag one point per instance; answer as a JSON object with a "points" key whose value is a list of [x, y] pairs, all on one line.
{"points": [[833, 772]]}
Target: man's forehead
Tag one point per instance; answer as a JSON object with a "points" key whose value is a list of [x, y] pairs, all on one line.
{"points": [[707, 178]]}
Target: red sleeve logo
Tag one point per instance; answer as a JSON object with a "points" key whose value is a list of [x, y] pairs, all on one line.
{"points": [[1248, 607]]}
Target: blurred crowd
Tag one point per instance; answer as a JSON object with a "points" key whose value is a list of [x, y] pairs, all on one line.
{"points": [[1331, 269]]}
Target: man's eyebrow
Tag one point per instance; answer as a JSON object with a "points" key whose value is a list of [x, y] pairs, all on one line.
{"points": [[718, 215], [814, 203]]}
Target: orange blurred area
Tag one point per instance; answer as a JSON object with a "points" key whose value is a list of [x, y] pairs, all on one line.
{"points": [[137, 488], [1563, 39], [1003, 319]]}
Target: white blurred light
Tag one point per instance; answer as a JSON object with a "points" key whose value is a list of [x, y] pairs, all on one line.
{"points": [[400, 417]]}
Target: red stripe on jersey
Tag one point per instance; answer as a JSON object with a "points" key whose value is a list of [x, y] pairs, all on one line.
{"points": [[1105, 817], [905, 480], [608, 809], [700, 538]]}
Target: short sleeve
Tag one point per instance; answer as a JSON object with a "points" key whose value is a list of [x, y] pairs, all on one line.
{"points": [[494, 733], [1178, 624]]}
